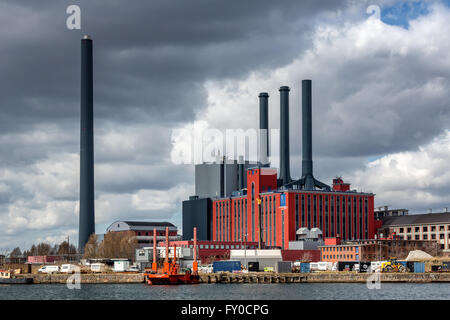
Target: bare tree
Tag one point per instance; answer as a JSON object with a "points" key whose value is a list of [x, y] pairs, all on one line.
{"points": [[118, 245], [91, 249], [16, 253]]}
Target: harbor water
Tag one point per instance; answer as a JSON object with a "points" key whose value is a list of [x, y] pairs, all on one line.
{"points": [[294, 291]]}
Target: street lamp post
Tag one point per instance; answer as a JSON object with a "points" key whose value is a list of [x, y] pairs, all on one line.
{"points": [[259, 224]]}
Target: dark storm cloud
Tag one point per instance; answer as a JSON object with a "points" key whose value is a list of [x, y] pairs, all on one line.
{"points": [[150, 58]]}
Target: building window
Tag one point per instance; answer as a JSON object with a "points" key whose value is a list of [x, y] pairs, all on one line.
{"points": [[297, 224], [417, 229], [321, 225], [303, 210], [400, 230], [425, 229], [275, 220], [315, 211], [344, 219], [332, 215], [253, 211], [266, 221], [270, 221], [408, 230], [425, 237], [417, 237], [433, 236], [309, 212], [433, 228], [441, 228], [282, 228]]}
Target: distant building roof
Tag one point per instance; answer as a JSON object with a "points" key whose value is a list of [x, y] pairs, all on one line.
{"points": [[146, 223], [140, 225], [427, 218]]}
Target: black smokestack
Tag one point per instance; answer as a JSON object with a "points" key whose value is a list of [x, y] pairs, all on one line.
{"points": [[307, 164], [87, 209], [264, 128], [308, 181], [241, 172], [285, 176]]}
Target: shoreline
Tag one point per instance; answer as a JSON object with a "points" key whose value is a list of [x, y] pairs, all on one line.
{"points": [[257, 277]]}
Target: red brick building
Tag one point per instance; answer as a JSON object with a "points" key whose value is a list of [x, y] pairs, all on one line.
{"points": [[338, 212]]}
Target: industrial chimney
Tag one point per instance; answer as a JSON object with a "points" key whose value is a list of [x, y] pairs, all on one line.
{"points": [[308, 181], [285, 176], [87, 216], [264, 129]]}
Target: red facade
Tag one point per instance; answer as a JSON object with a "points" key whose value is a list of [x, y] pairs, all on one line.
{"points": [[349, 215]]}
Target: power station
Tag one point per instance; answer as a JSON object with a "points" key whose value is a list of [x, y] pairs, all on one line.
{"points": [[87, 207], [270, 209]]}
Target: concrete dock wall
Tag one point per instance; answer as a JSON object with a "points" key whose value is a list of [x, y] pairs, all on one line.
{"points": [[89, 278], [260, 277], [321, 277]]}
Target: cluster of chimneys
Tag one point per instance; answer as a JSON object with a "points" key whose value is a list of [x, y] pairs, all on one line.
{"points": [[307, 181]]}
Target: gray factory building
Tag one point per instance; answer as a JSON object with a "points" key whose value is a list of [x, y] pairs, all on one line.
{"points": [[212, 180], [220, 179]]}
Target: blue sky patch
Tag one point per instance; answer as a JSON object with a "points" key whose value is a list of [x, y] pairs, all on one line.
{"points": [[403, 11]]}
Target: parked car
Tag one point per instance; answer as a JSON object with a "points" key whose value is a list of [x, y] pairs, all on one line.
{"points": [[133, 269], [205, 268], [48, 269], [68, 268]]}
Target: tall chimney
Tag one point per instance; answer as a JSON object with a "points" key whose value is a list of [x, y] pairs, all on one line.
{"points": [[264, 128], [87, 208], [241, 173], [307, 181], [307, 164], [285, 176]]}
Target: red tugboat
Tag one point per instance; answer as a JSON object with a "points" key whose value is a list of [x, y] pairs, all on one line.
{"points": [[169, 274]]}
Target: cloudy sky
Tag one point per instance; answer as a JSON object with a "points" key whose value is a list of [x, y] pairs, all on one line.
{"points": [[381, 94]]}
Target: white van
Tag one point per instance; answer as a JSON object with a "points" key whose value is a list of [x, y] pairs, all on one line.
{"points": [[48, 269], [68, 268], [324, 265], [314, 266], [98, 267]]}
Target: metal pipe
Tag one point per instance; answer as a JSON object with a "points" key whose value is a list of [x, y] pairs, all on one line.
{"points": [[154, 264], [87, 206], [167, 245], [264, 128], [195, 263], [285, 175]]}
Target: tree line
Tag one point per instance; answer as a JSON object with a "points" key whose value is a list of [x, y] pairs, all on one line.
{"points": [[44, 249], [114, 245]]}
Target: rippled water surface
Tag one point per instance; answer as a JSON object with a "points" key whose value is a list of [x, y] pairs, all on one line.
{"points": [[294, 291]]}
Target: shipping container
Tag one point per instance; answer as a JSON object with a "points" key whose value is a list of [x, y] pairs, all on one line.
{"points": [[364, 266], [410, 266], [283, 267], [346, 265], [436, 268], [226, 266], [418, 267], [446, 265], [305, 267], [253, 266]]}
